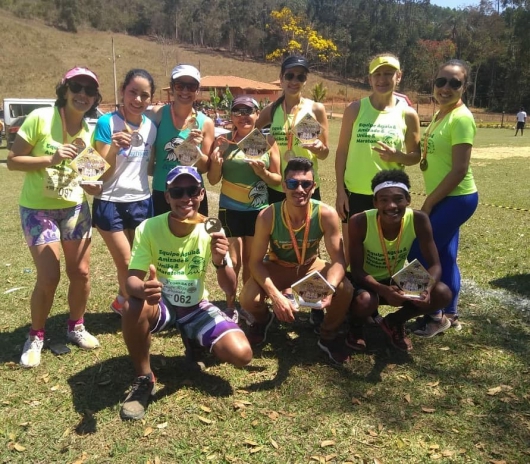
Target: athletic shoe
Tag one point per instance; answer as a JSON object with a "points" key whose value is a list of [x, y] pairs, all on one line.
{"points": [[396, 335], [116, 306], [134, 406], [455, 323], [232, 314], [316, 317], [80, 337], [335, 349], [292, 300], [31, 351], [431, 327], [257, 332], [355, 338]]}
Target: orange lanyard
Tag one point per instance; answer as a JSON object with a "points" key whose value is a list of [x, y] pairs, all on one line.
{"points": [[389, 268], [299, 257], [222, 139], [193, 115], [63, 122], [78, 142], [290, 125], [127, 127]]}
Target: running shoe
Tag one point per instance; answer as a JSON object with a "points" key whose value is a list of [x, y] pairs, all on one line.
{"points": [[396, 335], [336, 350], [80, 337], [257, 332], [31, 351], [432, 327], [142, 390]]}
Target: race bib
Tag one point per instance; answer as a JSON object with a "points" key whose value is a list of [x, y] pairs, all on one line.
{"points": [[61, 183], [183, 292]]}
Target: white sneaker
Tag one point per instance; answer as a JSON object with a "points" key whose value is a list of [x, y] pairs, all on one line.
{"points": [[82, 338], [31, 352]]}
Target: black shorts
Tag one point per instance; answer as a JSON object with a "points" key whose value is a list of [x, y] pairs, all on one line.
{"points": [[358, 203], [161, 206], [238, 223], [520, 124], [277, 197]]}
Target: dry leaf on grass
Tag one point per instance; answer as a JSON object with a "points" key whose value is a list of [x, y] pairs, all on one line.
{"points": [[326, 443], [445, 348], [163, 425], [494, 391], [273, 443], [205, 408], [407, 398], [320, 459], [434, 447], [255, 450], [273, 415], [330, 457], [148, 431], [372, 433], [447, 453], [355, 401], [427, 410], [204, 420], [433, 384], [494, 461], [250, 442]]}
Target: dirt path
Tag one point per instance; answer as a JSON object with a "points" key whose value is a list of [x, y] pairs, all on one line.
{"points": [[498, 153]]}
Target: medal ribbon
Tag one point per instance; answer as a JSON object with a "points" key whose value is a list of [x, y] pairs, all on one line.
{"points": [[300, 258], [128, 128], [80, 145], [389, 268], [290, 125], [192, 115]]}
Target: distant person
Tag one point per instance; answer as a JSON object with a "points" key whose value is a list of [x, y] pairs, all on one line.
{"points": [[54, 211], [243, 186], [380, 240], [521, 120], [452, 196], [125, 138], [378, 132], [179, 122], [166, 287], [289, 234]]}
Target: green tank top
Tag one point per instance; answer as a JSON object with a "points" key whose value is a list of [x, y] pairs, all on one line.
{"points": [[281, 246], [374, 258], [167, 138], [241, 188], [371, 126], [279, 127]]}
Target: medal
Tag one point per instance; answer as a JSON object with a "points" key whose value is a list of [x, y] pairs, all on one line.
{"points": [[187, 153], [192, 123], [424, 164], [79, 144], [212, 225], [136, 139]]}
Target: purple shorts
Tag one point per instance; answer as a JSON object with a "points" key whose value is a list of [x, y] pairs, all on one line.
{"points": [[43, 226], [205, 323]]}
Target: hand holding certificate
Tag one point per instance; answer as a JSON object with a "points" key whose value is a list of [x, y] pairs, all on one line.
{"points": [[413, 280], [90, 166], [312, 289]]}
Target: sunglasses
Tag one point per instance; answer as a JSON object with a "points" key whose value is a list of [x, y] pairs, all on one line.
{"points": [[454, 83], [290, 76], [243, 111], [76, 87], [191, 192], [180, 86], [293, 184]]}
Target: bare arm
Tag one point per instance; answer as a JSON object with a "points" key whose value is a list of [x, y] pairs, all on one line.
{"points": [[19, 157], [208, 137], [264, 117], [226, 276], [149, 290], [320, 147], [334, 247]]}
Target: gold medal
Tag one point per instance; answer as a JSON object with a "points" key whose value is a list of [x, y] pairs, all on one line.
{"points": [[79, 144]]}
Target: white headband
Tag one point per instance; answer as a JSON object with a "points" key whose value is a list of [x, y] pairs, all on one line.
{"points": [[390, 183]]}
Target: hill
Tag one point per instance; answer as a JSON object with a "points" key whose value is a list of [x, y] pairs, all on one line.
{"points": [[35, 56]]}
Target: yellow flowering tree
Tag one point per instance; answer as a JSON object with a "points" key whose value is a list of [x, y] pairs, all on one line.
{"points": [[297, 37]]}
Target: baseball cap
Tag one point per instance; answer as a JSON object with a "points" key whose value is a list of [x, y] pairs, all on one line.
{"points": [[182, 70], [293, 61], [78, 71], [245, 100], [376, 63], [183, 171]]}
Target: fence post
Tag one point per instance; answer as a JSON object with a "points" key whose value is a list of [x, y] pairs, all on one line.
{"points": [[502, 120]]}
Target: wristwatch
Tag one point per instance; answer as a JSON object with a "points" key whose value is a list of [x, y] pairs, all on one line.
{"points": [[221, 265]]}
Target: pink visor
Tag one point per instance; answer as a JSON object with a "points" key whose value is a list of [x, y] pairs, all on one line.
{"points": [[77, 71]]}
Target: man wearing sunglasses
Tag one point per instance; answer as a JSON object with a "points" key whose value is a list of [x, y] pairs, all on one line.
{"points": [[293, 230], [173, 251]]}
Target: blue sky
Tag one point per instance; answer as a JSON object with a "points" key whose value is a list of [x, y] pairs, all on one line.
{"points": [[455, 3]]}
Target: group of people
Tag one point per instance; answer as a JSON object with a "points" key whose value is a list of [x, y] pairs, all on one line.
{"points": [[271, 218]]}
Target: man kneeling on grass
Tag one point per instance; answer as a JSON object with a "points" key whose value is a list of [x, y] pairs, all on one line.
{"points": [[380, 241], [294, 229], [174, 249]]}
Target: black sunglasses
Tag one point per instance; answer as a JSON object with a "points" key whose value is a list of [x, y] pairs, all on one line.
{"points": [[243, 111], [76, 87], [454, 83], [292, 184], [180, 86], [178, 192], [290, 76]]}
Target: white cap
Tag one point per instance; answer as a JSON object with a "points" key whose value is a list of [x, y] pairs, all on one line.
{"points": [[182, 70]]}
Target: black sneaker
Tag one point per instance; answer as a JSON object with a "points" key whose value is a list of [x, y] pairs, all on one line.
{"points": [[134, 406], [316, 317], [355, 338], [336, 350], [396, 335], [257, 332]]}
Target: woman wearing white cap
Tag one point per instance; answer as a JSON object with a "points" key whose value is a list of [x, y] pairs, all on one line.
{"points": [[54, 211], [177, 123], [244, 185], [378, 132], [286, 112]]}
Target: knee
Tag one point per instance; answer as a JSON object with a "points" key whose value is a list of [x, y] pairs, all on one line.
{"points": [[134, 310], [80, 273], [250, 298], [363, 305], [241, 355], [442, 295], [48, 281]]}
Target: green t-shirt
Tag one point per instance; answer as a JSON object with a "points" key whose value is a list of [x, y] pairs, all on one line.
{"points": [[180, 262], [372, 126], [279, 128], [455, 128], [374, 258], [55, 187]]}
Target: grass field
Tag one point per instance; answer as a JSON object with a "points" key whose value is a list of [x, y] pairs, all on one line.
{"points": [[458, 398]]}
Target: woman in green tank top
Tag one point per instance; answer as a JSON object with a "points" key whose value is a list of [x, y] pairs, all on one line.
{"points": [[378, 132]]}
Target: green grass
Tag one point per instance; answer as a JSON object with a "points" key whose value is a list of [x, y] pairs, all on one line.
{"points": [[458, 398]]}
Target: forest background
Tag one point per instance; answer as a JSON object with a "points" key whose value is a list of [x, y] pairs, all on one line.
{"points": [[338, 36]]}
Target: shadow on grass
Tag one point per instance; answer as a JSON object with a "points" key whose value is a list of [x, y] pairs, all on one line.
{"points": [[99, 387], [518, 284]]}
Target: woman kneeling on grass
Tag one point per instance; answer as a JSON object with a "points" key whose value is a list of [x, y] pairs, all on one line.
{"points": [[54, 211], [125, 138]]}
